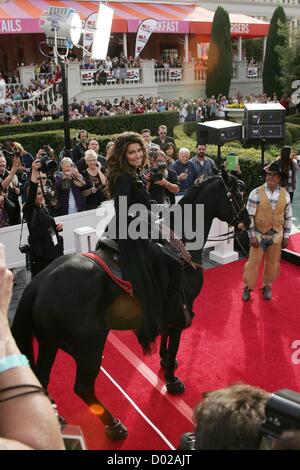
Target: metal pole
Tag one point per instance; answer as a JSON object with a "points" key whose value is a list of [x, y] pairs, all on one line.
{"points": [[263, 147], [64, 82], [219, 157]]}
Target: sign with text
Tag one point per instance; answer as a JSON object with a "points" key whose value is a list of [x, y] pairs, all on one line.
{"points": [[89, 32], [252, 72], [162, 26], [143, 34], [175, 74], [239, 28]]}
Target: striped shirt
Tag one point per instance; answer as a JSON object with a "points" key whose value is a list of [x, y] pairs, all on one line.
{"points": [[273, 197], [72, 209]]}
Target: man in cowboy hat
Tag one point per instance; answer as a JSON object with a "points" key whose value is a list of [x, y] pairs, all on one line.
{"points": [[270, 211]]}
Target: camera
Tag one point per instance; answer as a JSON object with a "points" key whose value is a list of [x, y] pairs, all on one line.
{"points": [[48, 165], [282, 413], [157, 173], [24, 249]]}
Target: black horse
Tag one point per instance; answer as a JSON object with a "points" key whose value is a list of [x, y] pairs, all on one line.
{"points": [[70, 304]]}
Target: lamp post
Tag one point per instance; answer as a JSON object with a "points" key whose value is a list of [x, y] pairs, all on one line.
{"points": [[63, 30], [65, 100]]}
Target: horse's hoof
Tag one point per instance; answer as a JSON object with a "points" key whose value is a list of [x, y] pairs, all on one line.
{"points": [[176, 387], [163, 363], [116, 431]]}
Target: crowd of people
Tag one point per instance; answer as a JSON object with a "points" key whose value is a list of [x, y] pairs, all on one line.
{"points": [[15, 111], [199, 110]]}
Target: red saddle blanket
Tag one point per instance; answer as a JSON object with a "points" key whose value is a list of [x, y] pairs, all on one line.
{"points": [[125, 285]]}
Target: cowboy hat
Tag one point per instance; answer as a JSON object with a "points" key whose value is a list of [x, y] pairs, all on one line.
{"points": [[274, 169]]}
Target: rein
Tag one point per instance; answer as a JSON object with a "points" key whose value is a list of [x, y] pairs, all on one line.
{"points": [[237, 210]]}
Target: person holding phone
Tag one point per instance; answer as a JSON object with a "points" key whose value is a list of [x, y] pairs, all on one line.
{"points": [[68, 186], [45, 243]]}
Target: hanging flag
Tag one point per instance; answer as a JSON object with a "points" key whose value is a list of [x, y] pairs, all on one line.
{"points": [[144, 32], [89, 33]]}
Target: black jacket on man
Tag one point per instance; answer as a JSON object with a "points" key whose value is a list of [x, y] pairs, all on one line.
{"points": [[167, 140]]}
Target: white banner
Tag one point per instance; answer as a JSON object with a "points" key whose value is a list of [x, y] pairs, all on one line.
{"points": [[89, 32], [252, 72], [175, 74], [87, 76], [144, 32]]}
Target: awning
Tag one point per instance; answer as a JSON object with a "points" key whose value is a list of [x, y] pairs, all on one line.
{"points": [[22, 16]]}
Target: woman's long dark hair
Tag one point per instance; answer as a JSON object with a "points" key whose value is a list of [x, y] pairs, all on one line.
{"points": [[285, 163], [118, 163]]}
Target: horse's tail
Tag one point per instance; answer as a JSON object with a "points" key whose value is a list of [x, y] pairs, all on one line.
{"points": [[22, 327]]}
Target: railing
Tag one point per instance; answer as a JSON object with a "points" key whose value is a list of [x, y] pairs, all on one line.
{"points": [[14, 85], [168, 75], [118, 76], [200, 73], [47, 96], [98, 219]]}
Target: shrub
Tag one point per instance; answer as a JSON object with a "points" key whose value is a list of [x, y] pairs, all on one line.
{"points": [[219, 63], [293, 118], [288, 138], [294, 131], [32, 142], [104, 125], [189, 128]]}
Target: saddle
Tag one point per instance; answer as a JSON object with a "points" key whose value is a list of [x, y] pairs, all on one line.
{"points": [[126, 313], [107, 257]]}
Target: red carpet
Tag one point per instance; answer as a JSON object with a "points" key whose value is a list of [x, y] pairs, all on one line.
{"points": [[229, 341], [294, 243]]}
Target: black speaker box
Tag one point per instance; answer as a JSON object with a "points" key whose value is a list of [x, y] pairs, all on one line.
{"points": [[264, 121], [218, 132]]}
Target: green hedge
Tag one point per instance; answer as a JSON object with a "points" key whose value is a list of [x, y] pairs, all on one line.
{"points": [[189, 128], [294, 130], [103, 125], [293, 118], [32, 142], [288, 138]]}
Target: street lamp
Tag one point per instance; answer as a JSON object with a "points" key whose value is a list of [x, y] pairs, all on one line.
{"points": [[63, 30]]}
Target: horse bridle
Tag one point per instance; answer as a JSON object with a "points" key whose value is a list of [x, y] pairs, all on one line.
{"points": [[236, 210]]}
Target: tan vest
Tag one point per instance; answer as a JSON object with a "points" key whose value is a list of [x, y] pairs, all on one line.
{"points": [[267, 218]]}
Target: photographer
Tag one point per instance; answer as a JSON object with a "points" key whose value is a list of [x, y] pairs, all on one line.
{"points": [[26, 160], [161, 182], [10, 187], [48, 169], [45, 244], [93, 190], [228, 419], [4, 209], [68, 185]]}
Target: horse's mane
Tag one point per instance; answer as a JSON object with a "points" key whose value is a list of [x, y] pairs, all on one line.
{"points": [[193, 192]]}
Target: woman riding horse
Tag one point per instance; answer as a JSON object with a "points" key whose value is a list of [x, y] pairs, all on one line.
{"points": [[76, 319], [142, 261]]}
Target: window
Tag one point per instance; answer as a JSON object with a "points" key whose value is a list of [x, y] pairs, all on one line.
{"points": [[169, 52]]}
